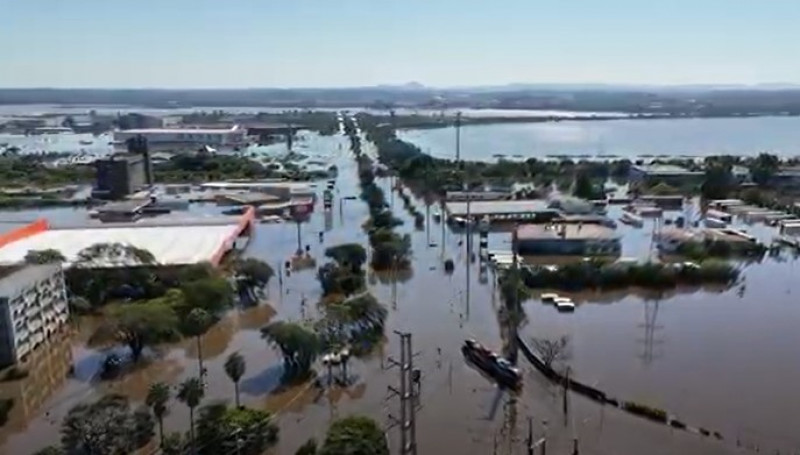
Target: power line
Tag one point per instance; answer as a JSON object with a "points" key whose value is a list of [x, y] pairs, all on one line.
{"points": [[409, 377]]}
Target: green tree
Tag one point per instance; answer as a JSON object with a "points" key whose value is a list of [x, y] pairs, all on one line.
{"points": [[51, 450], [197, 323], [107, 426], [212, 294], [763, 168], [718, 182], [583, 187], [298, 345], [190, 393], [138, 325], [157, 398], [252, 276], [115, 255], [240, 430], [44, 256], [355, 436], [351, 255], [235, 368]]}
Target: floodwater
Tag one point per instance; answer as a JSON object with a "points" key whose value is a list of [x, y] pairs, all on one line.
{"points": [[623, 138], [460, 411]]}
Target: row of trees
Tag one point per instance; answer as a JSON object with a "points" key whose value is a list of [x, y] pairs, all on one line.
{"points": [[389, 249]]}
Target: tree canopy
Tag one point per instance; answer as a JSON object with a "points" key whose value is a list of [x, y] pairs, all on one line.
{"points": [[222, 429], [298, 345], [44, 256], [355, 436], [107, 426], [139, 324]]}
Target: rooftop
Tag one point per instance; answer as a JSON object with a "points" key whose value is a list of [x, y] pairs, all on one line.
{"points": [[480, 208], [172, 242], [664, 169], [565, 232], [181, 130], [15, 278]]}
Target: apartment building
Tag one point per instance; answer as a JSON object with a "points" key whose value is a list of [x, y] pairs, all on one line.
{"points": [[33, 306]]}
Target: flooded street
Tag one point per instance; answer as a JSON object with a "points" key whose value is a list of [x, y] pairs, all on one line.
{"points": [[718, 359]]}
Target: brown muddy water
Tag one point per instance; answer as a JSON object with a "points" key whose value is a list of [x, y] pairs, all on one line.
{"points": [[722, 360]]}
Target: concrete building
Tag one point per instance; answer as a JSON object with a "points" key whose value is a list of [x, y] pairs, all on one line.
{"points": [[33, 306], [217, 137], [119, 176], [667, 173], [567, 240]]}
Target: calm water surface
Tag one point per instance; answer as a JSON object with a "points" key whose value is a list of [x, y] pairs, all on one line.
{"points": [[624, 138]]}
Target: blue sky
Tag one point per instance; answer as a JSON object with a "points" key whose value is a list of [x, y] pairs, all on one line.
{"points": [[325, 43]]}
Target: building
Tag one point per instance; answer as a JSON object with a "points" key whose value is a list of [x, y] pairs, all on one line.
{"points": [[567, 240], [218, 137], [666, 173], [172, 242], [119, 176], [33, 306]]}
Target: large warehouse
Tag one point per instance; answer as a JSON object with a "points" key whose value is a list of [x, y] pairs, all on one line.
{"points": [[170, 243]]}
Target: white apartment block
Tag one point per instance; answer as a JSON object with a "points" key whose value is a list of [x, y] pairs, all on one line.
{"points": [[217, 137], [33, 306]]}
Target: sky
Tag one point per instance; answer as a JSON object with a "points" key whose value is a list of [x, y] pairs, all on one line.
{"points": [[330, 43]]}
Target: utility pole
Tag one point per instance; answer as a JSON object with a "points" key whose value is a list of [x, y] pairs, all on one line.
{"points": [[408, 396], [458, 136]]}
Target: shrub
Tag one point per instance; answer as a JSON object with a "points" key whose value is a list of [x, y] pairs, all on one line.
{"points": [[677, 424], [655, 414]]}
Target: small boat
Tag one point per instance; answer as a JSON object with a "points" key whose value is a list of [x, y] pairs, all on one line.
{"points": [[85, 142], [565, 305], [550, 297], [631, 219]]}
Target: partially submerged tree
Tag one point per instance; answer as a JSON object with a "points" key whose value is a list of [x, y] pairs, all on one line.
{"points": [[157, 398], [235, 368], [138, 325], [213, 295], [350, 255], [308, 448], [222, 429], [197, 323], [190, 393], [355, 436], [47, 256], [298, 345], [107, 426], [252, 275], [551, 351]]}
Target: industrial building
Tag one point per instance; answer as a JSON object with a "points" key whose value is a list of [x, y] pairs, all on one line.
{"points": [[567, 239], [234, 136], [33, 306], [666, 173], [172, 242], [119, 176]]}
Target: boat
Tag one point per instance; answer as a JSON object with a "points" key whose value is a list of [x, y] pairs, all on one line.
{"points": [[85, 142], [631, 219], [564, 305], [497, 367]]}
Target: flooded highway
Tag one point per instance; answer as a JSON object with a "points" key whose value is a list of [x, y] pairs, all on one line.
{"points": [[720, 359]]}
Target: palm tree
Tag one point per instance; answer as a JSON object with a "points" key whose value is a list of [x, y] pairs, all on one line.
{"points": [[190, 393], [198, 322], [157, 398], [235, 367]]}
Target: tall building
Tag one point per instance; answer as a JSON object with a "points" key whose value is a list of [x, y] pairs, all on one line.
{"points": [[33, 306], [119, 176]]}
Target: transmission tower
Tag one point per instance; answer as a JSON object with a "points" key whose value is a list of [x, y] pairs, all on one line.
{"points": [[650, 328], [408, 394]]}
